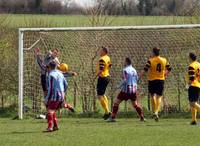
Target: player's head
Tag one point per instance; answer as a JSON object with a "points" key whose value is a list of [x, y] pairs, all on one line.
{"points": [[127, 61], [103, 51], [55, 52], [52, 65], [192, 56], [156, 51]]}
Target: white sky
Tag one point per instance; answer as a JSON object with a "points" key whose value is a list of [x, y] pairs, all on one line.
{"points": [[85, 2]]}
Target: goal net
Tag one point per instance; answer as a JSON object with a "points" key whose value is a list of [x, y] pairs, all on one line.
{"points": [[79, 47]]}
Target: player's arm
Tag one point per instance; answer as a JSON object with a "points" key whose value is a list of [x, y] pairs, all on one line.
{"points": [[123, 80], [191, 74], [168, 69], [101, 65], [70, 74], [50, 89], [39, 59], [65, 85], [146, 68]]}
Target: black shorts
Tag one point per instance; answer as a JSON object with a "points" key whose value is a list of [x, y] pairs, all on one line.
{"points": [[44, 83], [156, 87], [126, 96], [193, 93], [102, 85]]}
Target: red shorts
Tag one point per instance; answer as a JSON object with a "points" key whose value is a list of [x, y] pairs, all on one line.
{"points": [[54, 105], [126, 96]]}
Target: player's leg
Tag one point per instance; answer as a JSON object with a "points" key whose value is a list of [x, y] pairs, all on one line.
{"points": [[58, 106], [115, 107], [193, 94], [158, 90], [194, 116], [101, 88], [55, 122], [50, 120], [43, 84], [137, 107], [152, 95], [158, 104]]}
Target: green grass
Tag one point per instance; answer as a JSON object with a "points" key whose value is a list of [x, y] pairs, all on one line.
{"points": [[28, 20], [95, 132]]}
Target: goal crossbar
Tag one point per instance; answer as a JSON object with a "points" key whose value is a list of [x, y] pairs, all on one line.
{"points": [[184, 26]]}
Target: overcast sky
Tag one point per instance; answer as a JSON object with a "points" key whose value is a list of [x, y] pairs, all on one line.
{"points": [[85, 2]]}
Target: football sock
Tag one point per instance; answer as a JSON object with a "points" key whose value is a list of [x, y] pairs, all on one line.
{"points": [[139, 111], [104, 105], [50, 120], [153, 103], [194, 114], [197, 107], [55, 120], [115, 110], [106, 101], [158, 104]]}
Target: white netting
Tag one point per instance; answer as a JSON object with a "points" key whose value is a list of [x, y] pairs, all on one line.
{"points": [[79, 48]]}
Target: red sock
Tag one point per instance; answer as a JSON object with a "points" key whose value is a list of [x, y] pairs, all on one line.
{"points": [[139, 111], [50, 120], [115, 110], [55, 120]]}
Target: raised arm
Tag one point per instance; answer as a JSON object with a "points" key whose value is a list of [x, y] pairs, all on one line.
{"points": [[39, 60]]}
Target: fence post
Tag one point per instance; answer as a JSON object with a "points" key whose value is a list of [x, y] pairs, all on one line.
{"points": [[179, 94]]}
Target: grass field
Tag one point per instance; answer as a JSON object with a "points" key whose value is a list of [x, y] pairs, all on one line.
{"points": [[20, 20], [95, 132]]}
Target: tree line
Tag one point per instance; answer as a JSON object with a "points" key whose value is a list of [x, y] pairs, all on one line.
{"points": [[108, 7]]}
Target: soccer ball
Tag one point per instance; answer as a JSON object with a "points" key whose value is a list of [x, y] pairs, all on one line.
{"points": [[63, 67]]}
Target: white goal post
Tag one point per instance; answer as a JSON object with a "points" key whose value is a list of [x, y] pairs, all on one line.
{"points": [[110, 28]]}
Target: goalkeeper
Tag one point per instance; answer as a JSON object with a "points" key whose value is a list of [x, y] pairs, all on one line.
{"points": [[44, 63], [128, 91]]}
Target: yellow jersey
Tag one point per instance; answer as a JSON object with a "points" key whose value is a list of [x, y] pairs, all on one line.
{"points": [[194, 74], [104, 65], [156, 67]]}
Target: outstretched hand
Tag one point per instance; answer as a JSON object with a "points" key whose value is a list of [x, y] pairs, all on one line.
{"points": [[37, 51], [75, 74]]}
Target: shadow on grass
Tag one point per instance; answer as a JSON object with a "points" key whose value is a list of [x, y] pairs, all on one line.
{"points": [[25, 132], [8, 112]]}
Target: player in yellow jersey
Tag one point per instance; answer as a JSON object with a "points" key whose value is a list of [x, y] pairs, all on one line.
{"points": [[194, 86], [157, 68], [103, 74]]}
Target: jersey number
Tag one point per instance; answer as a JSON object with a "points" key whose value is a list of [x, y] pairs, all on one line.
{"points": [[158, 67]]}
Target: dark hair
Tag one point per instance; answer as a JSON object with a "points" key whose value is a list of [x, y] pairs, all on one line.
{"points": [[156, 51], [128, 61], [105, 49], [52, 65], [193, 56]]}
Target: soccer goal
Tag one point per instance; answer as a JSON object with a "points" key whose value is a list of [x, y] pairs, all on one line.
{"points": [[79, 49]]}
